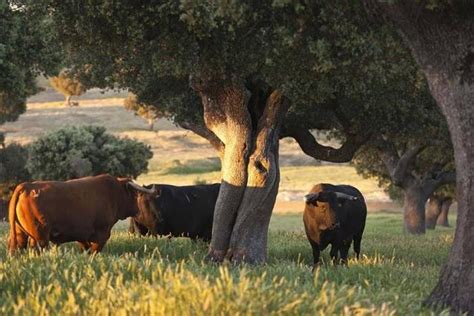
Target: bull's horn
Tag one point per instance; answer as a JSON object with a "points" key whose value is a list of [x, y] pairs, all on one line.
{"points": [[311, 198], [341, 195], [140, 188]]}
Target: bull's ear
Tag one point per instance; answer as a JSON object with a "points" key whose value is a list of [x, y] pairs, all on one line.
{"points": [[342, 197], [311, 198], [156, 190]]}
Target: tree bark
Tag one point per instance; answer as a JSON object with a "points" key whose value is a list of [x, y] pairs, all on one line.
{"points": [[442, 42], [249, 236], [456, 283], [414, 210], [67, 102], [227, 116], [443, 216], [248, 125], [433, 210], [151, 123]]}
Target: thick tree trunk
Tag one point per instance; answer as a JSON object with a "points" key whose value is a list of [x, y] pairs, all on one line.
{"points": [[226, 114], [442, 41], [249, 132], [249, 236], [433, 210], [414, 210], [443, 215], [456, 284]]}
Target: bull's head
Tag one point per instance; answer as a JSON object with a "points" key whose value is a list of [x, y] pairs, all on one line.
{"points": [[327, 207], [134, 190], [148, 214]]}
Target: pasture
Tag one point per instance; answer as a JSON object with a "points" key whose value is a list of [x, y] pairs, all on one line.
{"points": [[165, 276], [161, 276]]}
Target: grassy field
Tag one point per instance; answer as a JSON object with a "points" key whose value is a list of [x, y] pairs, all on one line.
{"points": [[168, 276]]}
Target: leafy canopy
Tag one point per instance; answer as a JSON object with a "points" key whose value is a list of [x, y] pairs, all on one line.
{"points": [[27, 48], [340, 71]]}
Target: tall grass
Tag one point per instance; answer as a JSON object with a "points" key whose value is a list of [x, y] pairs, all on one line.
{"points": [[161, 276]]}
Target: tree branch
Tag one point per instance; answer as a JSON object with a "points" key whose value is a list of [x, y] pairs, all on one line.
{"points": [[398, 166], [311, 147], [204, 132]]}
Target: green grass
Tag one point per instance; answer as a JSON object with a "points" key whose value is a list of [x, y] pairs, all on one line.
{"points": [[168, 276]]}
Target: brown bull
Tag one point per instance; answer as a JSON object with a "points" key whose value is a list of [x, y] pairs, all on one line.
{"points": [[82, 210]]}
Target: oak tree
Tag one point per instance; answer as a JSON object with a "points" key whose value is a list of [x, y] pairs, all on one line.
{"points": [[440, 35], [66, 84]]}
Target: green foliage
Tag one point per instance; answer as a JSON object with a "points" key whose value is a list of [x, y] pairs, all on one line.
{"points": [[27, 48], [66, 84], [162, 276], [13, 159], [81, 151], [334, 65]]}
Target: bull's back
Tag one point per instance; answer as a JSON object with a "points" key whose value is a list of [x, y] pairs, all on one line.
{"points": [[356, 209], [188, 208], [75, 207]]}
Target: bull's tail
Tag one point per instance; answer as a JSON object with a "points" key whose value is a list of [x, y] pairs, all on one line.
{"points": [[12, 217]]}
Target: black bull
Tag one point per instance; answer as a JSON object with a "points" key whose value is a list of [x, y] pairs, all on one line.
{"points": [[177, 211], [334, 214]]}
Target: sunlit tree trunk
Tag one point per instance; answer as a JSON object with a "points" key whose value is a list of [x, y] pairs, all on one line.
{"points": [[249, 236], [248, 126]]}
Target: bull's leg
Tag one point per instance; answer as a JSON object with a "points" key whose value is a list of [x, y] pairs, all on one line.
{"points": [[357, 240], [21, 238], [131, 226], [316, 253], [99, 241], [334, 252], [84, 245], [33, 244], [344, 250]]}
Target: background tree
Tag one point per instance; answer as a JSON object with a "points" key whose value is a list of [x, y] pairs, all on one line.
{"points": [[441, 202], [66, 84], [243, 75], [441, 37], [12, 168], [27, 48], [76, 152], [148, 112], [417, 157]]}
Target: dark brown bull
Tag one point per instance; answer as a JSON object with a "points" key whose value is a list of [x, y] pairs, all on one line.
{"points": [[82, 210], [334, 214]]}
